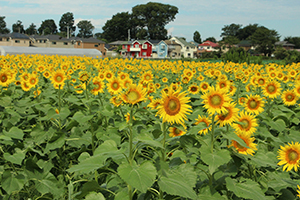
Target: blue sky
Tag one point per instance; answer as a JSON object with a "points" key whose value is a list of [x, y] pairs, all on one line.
{"points": [[206, 17]]}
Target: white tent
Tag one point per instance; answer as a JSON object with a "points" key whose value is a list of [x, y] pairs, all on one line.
{"points": [[12, 50]]}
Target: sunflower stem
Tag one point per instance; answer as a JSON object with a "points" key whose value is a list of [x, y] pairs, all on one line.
{"points": [[59, 106], [212, 133], [164, 131], [238, 92], [131, 137], [101, 102]]}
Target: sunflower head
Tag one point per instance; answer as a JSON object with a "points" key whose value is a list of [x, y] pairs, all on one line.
{"points": [[250, 145], [289, 156]]}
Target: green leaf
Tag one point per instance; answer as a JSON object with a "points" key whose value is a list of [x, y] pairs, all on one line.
{"points": [[140, 177], [264, 159], [122, 195], [175, 184], [94, 196], [15, 133], [16, 158], [216, 159], [147, 139], [58, 143], [11, 182], [81, 118], [247, 189], [278, 125]]}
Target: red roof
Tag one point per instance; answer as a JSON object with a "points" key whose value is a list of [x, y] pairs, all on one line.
{"points": [[209, 43]]}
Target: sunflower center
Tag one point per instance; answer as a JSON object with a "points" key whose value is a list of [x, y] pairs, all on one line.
{"points": [[3, 78], [177, 131], [245, 123], [222, 85], [147, 77], [32, 81], [133, 96], [253, 104], [193, 89], [172, 106], [271, 88], [290, 97], [97, 86], [293, 155], [216, 100], [115, 85], [261, 81], [58, 78], [204, 86]]}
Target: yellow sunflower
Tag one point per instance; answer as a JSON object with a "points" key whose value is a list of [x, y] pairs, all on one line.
{"points": [[272, 89], [176, 132], [249, 149], [206, 121], [5, 78], [289, 97], [134, 94], [58, 79], [254, 104], [298, 191], [84, 76], [229, 116], [116, 100], [247, 123], [98, 86], [114, 85], [154, 103], [215, 100], [147, 76], [194, 89], [297, 88], [204, 86], [32, 80], [289, 156], [174, 106]]}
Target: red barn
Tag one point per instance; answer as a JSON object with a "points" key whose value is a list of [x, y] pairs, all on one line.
{"points": [[137, 49]]}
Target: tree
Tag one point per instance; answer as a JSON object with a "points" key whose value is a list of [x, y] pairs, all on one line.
{"points": [[117, 27], [265, 39], [246, 32], [67, 22], [18, 27], [230, 40], [212, 39], [85, 29], [197, 37], [293, 40], [31, 30], [230, 30], [153, 17], [48, 27], [3, 29]]}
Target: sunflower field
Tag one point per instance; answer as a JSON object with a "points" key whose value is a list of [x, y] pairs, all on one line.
{"points": [[88, 128]]}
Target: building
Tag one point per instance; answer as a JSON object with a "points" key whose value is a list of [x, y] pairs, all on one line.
{"points": [[14, 39], [188, 50], [90, 43], [137, 49], [159, 49], [285, 45], [174, 49], [54, 41], [207, 46]]}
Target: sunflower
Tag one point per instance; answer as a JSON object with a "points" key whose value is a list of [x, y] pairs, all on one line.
{"points": [[249, 149], [84, 76], [98, 86], [204, 86], [223, 84], [147, 76], [174, 106], [289, 156], [206, 121], [272, 89], [261, 81], [134, 94], [247, 123], [229, 117], [123, 76], [254, 104], [174, 131], [108, 75], [25, 86], [32, 80], [114, 85], [215, 100], [298, 191], [46, 74], [5, 78], [289, 97], [164, 79], [194, 89], [297, 88], [154, 103], [116, 100], [58, 79]]}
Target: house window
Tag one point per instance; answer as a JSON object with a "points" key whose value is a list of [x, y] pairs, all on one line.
{"points": [[7, 39], [136, 46], [163, 46], [17, 41], [54, 43], [40, 41], [144, 53], [144, 46], [45, 41], [65, 43], [189, 55], [187, 48], [78, 43], [0, 39], [208, 48], [96, 45]]}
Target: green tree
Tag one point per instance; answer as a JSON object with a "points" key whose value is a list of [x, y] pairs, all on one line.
{"points": [[265, 40], [85, 29], [18, 27], [67, 22], [48, 27], [31, 30], [246, 32], [117, 27], [3, 29], [231, 30], [212, 39], [153, 17], [230, 40], [293, 40], [197, 37]]}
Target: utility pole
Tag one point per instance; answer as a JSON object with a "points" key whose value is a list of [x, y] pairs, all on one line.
{"points": [[128, 34], [67, 32]]}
